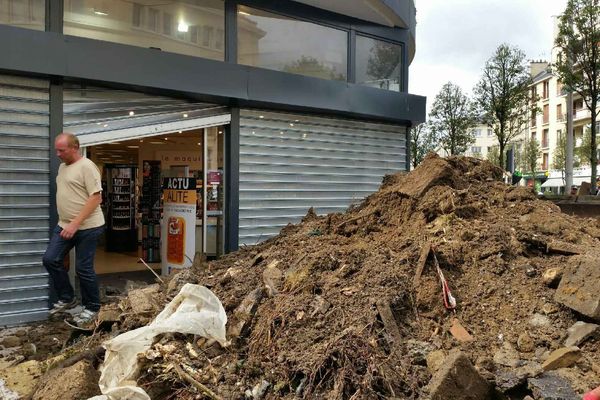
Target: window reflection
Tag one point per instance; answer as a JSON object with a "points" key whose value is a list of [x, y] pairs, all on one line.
{"points": [[23, 13], [190, 27], [378, 63], [280, 43]]}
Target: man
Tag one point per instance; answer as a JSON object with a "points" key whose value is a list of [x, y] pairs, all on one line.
{"points": [[80, 223]]}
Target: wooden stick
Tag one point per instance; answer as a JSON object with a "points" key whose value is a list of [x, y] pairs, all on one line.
{"points": [[151, 270], [189, 379]]}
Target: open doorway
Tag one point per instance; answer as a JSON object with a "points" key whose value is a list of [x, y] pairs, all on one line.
{"points": [[132, 175]]}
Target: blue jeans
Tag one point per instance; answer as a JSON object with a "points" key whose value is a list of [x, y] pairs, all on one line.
{"points": [[85, 242]]}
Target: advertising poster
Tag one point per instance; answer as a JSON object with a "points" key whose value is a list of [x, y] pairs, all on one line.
{"points": [[179, 224]]}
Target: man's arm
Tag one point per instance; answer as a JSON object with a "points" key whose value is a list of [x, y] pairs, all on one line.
{"points": [[90, 205]]}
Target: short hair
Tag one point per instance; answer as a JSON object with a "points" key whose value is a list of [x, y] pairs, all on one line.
{"points": [[72, 140]]}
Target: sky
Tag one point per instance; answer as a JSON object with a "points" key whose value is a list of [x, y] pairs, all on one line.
{"points": [[455, 38]]}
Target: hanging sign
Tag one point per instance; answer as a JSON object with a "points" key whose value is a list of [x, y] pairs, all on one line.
{"points": [[178, 228]]}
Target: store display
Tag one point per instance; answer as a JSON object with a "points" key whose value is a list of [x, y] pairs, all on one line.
{"points": [[151, 208], [121, 207]]}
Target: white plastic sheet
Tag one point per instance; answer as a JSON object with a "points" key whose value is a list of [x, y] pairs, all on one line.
{"points": [[195, 310]]}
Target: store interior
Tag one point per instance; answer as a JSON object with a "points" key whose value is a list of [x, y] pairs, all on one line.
{"points": [[132, 175]]}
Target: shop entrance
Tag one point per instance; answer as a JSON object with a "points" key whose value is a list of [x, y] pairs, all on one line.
{"points": [[133, 172]]}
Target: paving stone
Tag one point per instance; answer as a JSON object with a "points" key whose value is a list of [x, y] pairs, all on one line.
{"points": [[578, 288], [458, 379], [579, 332], [562, 358], [551, 386]]}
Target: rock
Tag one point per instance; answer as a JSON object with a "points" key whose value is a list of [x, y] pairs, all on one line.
{"points": [[549, 308], [272, 278], [551, 277], [457, 379], [459, 332], [29, 349], [578, 289], [539, 321], [525, 343], [143, 300], [579, 332], [530, 271], [11, 341], [508, 380], [109, 314], [243, 314], [551, 386], [507, 356], [319, 306], [562, 358], [79, 381], [435, 359], [258, 391], [418, 351]]}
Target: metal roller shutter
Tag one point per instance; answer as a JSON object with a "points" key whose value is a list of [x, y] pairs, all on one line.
{"points": [[24, 198], [289, 163]]}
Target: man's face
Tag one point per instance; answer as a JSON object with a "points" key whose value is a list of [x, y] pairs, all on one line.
{"points": [[66, 153]]}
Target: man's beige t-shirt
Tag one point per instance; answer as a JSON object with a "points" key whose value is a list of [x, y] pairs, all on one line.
{"points": [[75, 183]]}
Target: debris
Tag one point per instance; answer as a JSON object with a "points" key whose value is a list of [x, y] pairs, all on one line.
{"points": [[389, 322], [511, 379], [457, 379], [562, 248], [78, 381], [203, 389], [525, 343], [562, 358], [549, 386], [459, 332], [11, 341], [539, 321], [552, 276], [243, 314], [579, 332], [272, 278], [141, 300], [435, 360], [425, 250], [578, 288]]}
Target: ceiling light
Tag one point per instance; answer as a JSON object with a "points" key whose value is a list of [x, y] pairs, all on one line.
{"points": [[261, 116], [185, 115], [291, 124], [131, 113], [243, 13], [98, 12], [220, 131], [182, 27], [133, 147], [296, 120], [166, 138], [179, 131], [199, 143], [105, 125], [157, 142]]}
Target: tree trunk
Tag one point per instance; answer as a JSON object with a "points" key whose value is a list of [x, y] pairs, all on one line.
{"points": [[594, 157]]}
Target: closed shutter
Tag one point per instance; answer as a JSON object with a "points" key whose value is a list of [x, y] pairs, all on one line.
{"points": [[24, 198], [289, 163]]}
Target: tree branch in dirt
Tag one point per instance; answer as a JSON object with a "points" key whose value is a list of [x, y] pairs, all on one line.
{"points": [[189, 379]]}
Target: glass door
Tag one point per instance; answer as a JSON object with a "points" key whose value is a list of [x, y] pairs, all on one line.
{"points": [[213, 228]]}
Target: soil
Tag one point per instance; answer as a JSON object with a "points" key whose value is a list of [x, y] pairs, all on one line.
{"points": [[347, 320]]}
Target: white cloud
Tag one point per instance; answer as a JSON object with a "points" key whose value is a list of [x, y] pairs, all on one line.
{"points": [[455, 38]]}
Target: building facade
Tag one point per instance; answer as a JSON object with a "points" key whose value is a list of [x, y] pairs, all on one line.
{"points": [[273, 106]]}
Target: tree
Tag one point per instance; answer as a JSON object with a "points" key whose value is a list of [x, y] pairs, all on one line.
{"points": [[582, 152], [559, 155], [452, 116], [531, 153], [493, 155], [312, 67], [578, 66], [384, 63], [502, 95], [422, 141]]}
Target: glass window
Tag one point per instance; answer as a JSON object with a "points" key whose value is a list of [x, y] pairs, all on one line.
{"points": [[170, 25], [378, 63], [283, 44], [29, 14]]}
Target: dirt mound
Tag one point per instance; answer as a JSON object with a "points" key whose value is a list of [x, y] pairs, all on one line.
{"points": [[350, 306]]}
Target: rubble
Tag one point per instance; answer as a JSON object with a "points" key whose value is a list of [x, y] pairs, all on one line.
{"points": [[578, 288], [350, 305], [579, 332]]}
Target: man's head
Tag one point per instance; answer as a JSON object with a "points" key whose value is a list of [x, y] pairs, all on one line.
{"points": [[67, 148]]}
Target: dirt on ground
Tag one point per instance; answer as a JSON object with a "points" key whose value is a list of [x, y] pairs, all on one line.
{"points": [[351, 306]]}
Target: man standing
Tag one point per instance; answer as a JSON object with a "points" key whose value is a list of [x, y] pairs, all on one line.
{"points": [[80, 223]]}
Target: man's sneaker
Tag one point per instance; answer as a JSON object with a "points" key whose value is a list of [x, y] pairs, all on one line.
{"points": [[85, 319], [62, 306]]}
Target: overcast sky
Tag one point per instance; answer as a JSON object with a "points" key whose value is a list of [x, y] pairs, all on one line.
{"points": [[456, 37]]}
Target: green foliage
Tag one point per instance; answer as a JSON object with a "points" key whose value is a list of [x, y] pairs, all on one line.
{"points": [[531, 153], [452, 116], [578, 66], [384, 61], [502, 95], [493, 155], [422, 141], [312, 67]]}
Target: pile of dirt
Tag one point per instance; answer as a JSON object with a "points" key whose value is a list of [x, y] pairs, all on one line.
{"points": [[350, 306]]}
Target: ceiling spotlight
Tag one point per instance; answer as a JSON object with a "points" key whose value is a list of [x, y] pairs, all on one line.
{"points": [[182, 27], [105, 125], [185, 115], [99, 12], [291, 124], [199, 143], [261, 116], [131, 113], [179, 131], [166, 138], [133, 147]]}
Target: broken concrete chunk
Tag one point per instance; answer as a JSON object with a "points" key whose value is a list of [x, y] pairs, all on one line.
{"points": [[551, 277], [243, 314], [507, 356], [525, 343], [459, 332], [435, 360], [418, 351], [458, 379], [579, 332], [563, 248], [551, 386], [578, 289], [511, 379], [539, 321], [562, 358], [272, 278], [79, 381], [142, 300]]}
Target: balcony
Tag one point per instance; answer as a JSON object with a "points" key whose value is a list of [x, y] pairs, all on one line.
{"points": [[581, 114]]}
